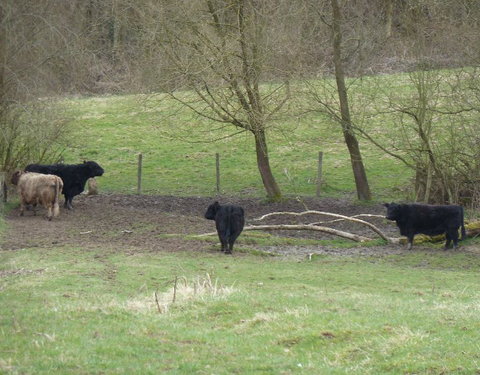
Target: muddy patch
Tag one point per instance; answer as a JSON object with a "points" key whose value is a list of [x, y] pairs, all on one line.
{"points": [[150, 223]]}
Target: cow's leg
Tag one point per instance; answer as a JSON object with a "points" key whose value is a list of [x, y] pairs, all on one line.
{"points": [[224, 246], [231, 241], [49, 213], [223, 242], [454, 237], [68, 202], [448, 240], [34, 208], [228, 245], [410, 241], [221, 231], [22, 208]]}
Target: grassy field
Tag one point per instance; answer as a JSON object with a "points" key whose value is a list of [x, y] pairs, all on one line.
{"points": [[115, 310], [179, 148], [179, 152], [78, 311]]}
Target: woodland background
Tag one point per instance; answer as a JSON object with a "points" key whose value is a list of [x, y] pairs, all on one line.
{"points": [[249, 64]]}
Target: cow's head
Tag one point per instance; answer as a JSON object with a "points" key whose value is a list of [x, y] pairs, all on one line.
{"points": [[393, 211], [212, 211], [15, 177], [94, 168]]}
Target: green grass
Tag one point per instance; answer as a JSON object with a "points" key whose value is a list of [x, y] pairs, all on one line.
{"points": [[77, 311], [89, 311], [4, 208], [179, 152]]}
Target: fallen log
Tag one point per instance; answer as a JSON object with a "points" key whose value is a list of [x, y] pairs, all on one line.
{"points": [[341, 217], [336, 232], [354, 216], [350, 236]]}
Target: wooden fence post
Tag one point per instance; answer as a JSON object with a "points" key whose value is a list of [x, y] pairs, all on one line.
{"points": [[319, 172], [3, 186], [139, 174], [217, 166]]}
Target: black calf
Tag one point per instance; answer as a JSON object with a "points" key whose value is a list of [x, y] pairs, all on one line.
{"points": [[229, 221]]}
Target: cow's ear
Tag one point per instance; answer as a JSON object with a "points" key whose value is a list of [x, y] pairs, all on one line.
{"points": [[386, 205]]}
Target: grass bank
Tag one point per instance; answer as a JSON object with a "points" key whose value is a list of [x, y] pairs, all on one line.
{"points": [[77, 311], [179, 151], [4, 208]]}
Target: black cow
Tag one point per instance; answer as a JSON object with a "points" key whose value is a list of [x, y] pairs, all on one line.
{"points": [[427, 219], [74, 176], [229, 221]]}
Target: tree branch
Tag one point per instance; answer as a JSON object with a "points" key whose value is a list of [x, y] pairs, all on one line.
{"points": [[350, 236], [348, 218]]}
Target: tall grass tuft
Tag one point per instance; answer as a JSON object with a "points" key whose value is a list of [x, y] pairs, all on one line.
{"points": [[187, 291]]}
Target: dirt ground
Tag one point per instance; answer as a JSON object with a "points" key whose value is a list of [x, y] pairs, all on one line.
{"points": [[141, 222]]}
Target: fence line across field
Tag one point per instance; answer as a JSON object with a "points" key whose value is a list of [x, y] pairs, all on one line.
{"points": [[319, 172], [4, 186], [217, 173], [139, 174]]}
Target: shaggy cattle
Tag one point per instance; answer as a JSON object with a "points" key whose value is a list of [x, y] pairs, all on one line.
{"points": [[36, 188], [74, 176], [229, 221], [427, 219]]}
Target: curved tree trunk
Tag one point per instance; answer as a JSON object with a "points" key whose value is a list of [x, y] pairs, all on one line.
{"points": [[361, 182], [263, 163], [360, 176]]}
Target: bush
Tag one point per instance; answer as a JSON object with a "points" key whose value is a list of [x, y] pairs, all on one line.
{"points": [[33, 132]]}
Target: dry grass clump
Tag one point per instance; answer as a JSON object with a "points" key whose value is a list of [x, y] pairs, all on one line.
{"points": [[181, 292], [184, 290]]}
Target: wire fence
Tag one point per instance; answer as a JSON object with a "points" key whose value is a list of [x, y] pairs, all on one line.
{"points": [[216, 174]]}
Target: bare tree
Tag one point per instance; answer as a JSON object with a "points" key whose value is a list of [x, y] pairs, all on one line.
{"points": [[333, 99], [219, 50], [361, 182], [30, 128], [432, 116]]}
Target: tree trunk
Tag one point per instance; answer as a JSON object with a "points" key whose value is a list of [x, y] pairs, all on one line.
{"points": [[263, 163], [419, 182], [116, 37], [388, 18], [3, 58], [428, 184], [361, 182]]}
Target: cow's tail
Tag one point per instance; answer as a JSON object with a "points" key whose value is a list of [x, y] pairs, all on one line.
{"points": [[464, 234], [56, 206]]}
